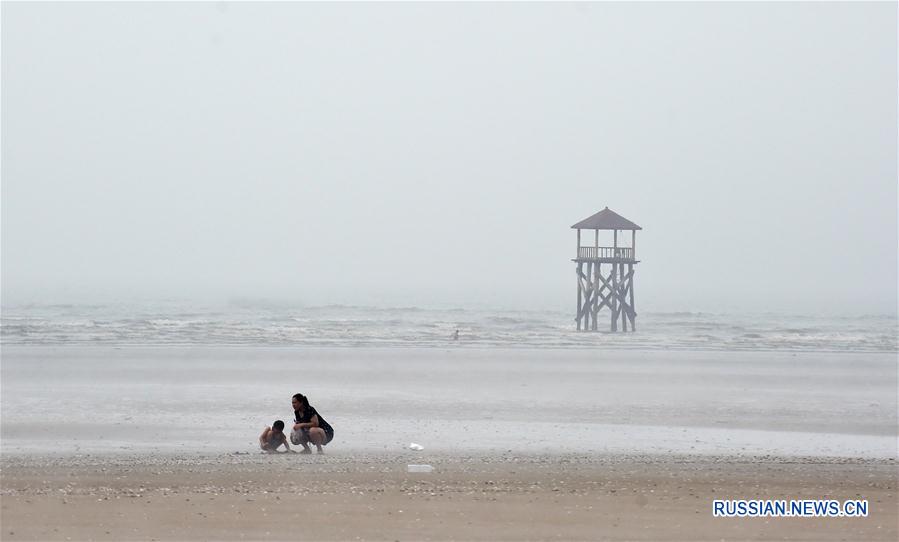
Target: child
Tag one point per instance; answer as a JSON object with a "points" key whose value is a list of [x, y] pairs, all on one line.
{"points": [[273, 437]]}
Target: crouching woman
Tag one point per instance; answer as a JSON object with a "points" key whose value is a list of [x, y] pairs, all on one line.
{"points": [[309, 426]]}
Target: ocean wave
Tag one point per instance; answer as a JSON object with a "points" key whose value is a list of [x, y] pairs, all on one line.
{"points": [[402, 326], [510, 320]]}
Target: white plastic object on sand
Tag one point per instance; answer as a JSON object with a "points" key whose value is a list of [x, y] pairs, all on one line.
{"points": [[419, 468], [416, 447]]}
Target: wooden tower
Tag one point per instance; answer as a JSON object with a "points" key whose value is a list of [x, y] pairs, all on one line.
{"points": [[605, 274]]}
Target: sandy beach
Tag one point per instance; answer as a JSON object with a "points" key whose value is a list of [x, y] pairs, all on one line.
{"points": [[475, 497], [137, 443]]}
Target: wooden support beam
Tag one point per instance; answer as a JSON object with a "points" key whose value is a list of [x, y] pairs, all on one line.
{"points": [[588, 302], [580, 288], [633, 313], [596, 273], [623, 303], [615, 296], [589, 289], [605, 301]]}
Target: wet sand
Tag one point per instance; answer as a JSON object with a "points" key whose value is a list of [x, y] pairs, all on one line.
{"points": [[473, 497], [194, 399]]}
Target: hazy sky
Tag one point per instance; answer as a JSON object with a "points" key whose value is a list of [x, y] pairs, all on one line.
{"points": [[438, 153]]}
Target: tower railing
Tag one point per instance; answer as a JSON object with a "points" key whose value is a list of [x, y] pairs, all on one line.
{"points": [[605, 253]]}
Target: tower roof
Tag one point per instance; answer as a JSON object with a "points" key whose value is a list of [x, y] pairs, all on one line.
{"points": [[606, 219]]}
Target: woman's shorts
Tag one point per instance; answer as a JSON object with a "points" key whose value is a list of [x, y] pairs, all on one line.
{"points": [[299, 436]]}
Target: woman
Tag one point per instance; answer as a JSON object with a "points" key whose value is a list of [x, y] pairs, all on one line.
{"points": [[309, 426]]}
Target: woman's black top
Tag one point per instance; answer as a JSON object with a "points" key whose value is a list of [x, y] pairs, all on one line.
{"points": [[306, 417]]}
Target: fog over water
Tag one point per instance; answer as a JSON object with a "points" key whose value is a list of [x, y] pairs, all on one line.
{"points": [[435, 155]]}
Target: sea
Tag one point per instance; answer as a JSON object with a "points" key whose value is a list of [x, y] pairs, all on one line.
{"points": [[258, 324]]}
